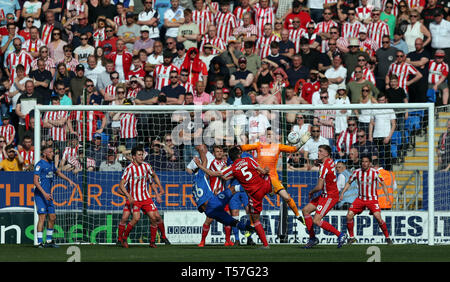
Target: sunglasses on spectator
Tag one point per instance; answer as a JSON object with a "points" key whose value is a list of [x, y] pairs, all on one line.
{"points": [[361, 136], [120, 92], [174, 77], [315, 131], [89, 85], [323, 97], [365, 90], [352, 124]]}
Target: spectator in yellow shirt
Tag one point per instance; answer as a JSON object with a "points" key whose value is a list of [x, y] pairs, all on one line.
{"points": [[13, 161]]}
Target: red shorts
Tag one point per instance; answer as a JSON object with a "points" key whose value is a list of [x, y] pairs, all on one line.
{"points": [[324, 204], [146, 206], [256, 198], [359, 205]]}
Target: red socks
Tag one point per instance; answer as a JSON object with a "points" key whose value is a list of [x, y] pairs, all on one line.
{"points": [[162, 229], [350, 225], [328, 227], [205, 232], [261, 234], [120, 231], [227, 233], [309, 225], [384, 229], [127, 231], [153, 230]]}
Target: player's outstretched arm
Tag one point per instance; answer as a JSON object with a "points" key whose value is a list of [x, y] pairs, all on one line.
{"points": [[63, 176], [207, 170]]}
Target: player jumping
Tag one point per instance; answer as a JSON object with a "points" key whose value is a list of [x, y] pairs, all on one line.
{"points": [[267, 156], [213, 205], [326, 201], [368, 179], [44, 172], [253, 179]]}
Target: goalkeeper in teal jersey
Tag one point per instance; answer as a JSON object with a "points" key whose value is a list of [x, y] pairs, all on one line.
{"points": [[44, 172]]}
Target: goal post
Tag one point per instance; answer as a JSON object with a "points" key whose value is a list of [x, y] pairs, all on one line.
{"points": [[98, 202]]}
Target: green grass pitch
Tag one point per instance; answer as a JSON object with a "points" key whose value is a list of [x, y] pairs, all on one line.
{"points": [[216, 253]]}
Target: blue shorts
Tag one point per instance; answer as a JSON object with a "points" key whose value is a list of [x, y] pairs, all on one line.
{"points": [[238, 200], [216, 205], [42, 205]]}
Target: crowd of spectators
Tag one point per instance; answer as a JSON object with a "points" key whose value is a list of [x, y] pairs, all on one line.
{"points": [[200, 52]]}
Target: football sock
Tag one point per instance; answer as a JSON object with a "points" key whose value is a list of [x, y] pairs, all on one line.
{"points": [[49, 235], [328, 227], [293, 206], [227, 233], [205, 232], [236, 230], [309, 225], [350, 228], [383, 227], [121, 230], [153, 231], [261, 234], [127, 231], [39, 236], [162, 229]]}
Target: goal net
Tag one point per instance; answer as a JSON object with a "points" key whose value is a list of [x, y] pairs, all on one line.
{"points": [[93, 147]]}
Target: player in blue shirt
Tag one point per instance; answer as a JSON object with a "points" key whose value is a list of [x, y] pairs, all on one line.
{"points": [[238, 200], [44, 173], [213, 205]]}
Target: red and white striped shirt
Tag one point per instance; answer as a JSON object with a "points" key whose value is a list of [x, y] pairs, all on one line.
{"points": [[263, 16], [325, 26], [77, 164], [27, 156], [57, 133], [295, 35], [202, 19], [402, 71], [8, 132], [110, 92], [225, 23], [46, 35], [325, 115], [263, 44], [363, 13], [239, 13], [138, 178], [217, 183], [99, 36], [91, 121], [216, 42], [132, 93], [376, 31], [188, 86], [162, 75], [32, 46], [367, 182], [70, 152], [351, 29], [437, 71], [367, 75], [327, 172], [13, 59], [128, 128], [345, 140], [119, 20], [369, 46], [49, 64]]}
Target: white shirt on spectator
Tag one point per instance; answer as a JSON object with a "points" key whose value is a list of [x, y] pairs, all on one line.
{"points": [[312, 147], [335, 73], [382, 119]]}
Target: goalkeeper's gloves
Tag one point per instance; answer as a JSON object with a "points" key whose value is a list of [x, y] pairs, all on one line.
{"points": [[305, 137]]}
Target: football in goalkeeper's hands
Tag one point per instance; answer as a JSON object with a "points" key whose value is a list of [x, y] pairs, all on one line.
{"points": [[293, 137]]}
